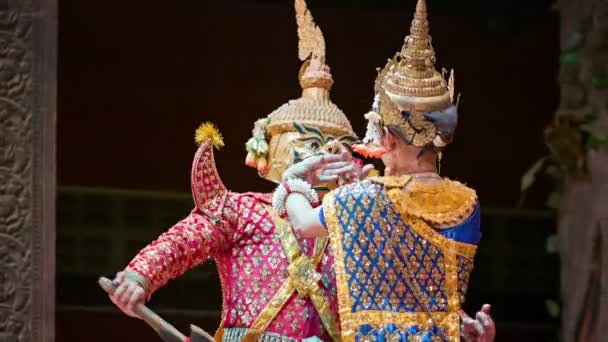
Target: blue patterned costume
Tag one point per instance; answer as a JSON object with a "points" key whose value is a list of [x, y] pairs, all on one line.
{"points": [[398, 277]]}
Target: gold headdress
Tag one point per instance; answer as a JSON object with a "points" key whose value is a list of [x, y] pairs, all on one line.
{"points": [[313, 109], [410, 83]]}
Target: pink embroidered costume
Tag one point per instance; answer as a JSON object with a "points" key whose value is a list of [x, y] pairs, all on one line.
{"points": [[239, 232], [275, 286]]}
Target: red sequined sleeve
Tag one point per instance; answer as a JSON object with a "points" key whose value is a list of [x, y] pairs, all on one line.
{"points": [[187, 244]]}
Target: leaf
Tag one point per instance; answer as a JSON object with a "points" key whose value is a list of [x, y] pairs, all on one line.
{"points": [[593, 128], [570, 57], [552, 244], [590, 116], [554, 172], [552, 308], [530, 176], [554, 199], [594, 141], [600, 82]]}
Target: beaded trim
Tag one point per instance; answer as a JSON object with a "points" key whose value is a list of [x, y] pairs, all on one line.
{"points": [[237, 334], [290, 186]]}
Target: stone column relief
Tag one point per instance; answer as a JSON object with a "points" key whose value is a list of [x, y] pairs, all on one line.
{"points": [[28, 44]]}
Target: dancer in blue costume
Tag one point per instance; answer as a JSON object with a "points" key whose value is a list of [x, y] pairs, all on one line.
{"points": [[403, 243]]}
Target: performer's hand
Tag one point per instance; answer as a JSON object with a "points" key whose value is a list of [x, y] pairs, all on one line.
{"points": [[336, 164], [312, 168], [481, 329], [127, 294], [345, 172]]}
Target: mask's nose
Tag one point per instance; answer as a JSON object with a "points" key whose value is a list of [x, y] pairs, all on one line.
{"points": [[332, 147]]}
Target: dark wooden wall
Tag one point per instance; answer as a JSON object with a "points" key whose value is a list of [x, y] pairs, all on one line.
{"points": [[136, 78]]}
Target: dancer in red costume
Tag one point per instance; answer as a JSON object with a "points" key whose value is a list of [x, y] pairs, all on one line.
{"points": [[275, 286]]}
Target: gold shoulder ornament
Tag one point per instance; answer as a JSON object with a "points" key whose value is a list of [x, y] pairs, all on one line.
{"points": [[442, 205]]}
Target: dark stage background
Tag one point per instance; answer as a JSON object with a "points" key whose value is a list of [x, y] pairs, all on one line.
{"points": [[137, 77]]}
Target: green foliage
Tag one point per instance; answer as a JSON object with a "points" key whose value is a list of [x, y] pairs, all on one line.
{"points": [[552, 244], [594, 141], [530, 176], [600, 82], [570, 137], [553, 308], [596, 137], [569, 57], [553, 200]]}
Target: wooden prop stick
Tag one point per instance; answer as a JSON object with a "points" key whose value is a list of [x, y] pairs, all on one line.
{"points": [[165, 330]]}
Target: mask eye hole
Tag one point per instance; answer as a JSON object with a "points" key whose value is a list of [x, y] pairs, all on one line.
{"points": [[313, 145]]}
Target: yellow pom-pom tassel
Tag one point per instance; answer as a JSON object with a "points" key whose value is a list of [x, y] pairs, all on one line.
{"points": [[208, 131]]}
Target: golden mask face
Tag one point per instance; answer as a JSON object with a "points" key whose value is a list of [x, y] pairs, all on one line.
{"points": [[288, 148]]}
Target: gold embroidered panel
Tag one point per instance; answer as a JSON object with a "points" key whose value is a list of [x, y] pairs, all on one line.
{"points": [[393, 270]]}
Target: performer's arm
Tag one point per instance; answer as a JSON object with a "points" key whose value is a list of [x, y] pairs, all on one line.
{"points": [[187, 244], [204, 233], [305, 219]]}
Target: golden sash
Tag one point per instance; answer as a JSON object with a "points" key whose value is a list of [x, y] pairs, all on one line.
{"points": [[302, 276]]}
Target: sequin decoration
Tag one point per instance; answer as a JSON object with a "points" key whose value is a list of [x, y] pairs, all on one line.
{"points": [[397, 276], [250, 262], [303, 279], [444, 204], [237, 230], [187, 244], [465, 267], [205, 182]]}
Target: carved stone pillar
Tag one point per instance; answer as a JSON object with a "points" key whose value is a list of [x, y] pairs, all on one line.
{"points": [[27, 169]]}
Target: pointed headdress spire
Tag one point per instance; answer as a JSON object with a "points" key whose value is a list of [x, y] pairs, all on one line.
{"points": [[412, 82], [414, 96]]}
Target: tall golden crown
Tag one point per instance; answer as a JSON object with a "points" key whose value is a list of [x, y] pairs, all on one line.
{"points": [[314, 107], [271, 150], [410, 79]]}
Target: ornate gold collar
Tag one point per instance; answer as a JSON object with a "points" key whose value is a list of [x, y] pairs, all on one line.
{"points": [[443, 205], [392, 181]]}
